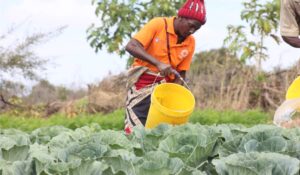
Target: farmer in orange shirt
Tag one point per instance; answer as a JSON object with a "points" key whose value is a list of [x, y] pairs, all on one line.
{"points": [[164, 46]]}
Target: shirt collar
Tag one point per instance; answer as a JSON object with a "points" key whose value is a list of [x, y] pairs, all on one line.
{"points": [[170, 22]]}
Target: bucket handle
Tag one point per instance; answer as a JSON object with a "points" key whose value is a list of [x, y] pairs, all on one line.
{"points": [[177, 74], [154, 82]]}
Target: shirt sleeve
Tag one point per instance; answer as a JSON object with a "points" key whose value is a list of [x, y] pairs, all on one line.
{"points": [[148, 32], [185, 64], [288, 21]]}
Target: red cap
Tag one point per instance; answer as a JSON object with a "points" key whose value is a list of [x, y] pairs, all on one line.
{"points": [[193, 9]]}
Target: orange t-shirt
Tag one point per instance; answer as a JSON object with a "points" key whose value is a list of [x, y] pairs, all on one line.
{"points": [[153, 38]]}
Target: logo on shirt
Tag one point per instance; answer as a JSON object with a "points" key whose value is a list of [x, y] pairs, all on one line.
{"points": [[156, 40], [184, 53]]}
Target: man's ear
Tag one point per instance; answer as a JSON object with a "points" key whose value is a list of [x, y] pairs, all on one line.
{"points": [[180, 19]]}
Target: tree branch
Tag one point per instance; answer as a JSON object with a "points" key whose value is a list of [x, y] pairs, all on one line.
{"points": [[8, 103]]}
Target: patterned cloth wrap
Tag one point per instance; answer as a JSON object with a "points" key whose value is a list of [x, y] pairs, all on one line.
{"points": [[140, 84]]}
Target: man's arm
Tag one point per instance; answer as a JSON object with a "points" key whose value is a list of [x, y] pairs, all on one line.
{"points": [[292, 41], [289, 28], [136, 49]]}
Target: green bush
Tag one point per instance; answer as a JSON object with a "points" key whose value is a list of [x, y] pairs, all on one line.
{"points": [[247, 118], [115, 120]]}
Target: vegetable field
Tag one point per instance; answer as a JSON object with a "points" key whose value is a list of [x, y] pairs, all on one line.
{"points": [[181, 150]]}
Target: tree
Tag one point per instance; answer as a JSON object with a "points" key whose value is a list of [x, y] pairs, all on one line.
{"points": [[119, 19], [19, 61], [44, 93], [263, 22]]}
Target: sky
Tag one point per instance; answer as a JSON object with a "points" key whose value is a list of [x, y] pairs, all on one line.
{"points": [[74, 63]]}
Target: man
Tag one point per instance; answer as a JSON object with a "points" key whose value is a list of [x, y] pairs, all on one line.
{"points": [[290, 30], [164, 46], [290, 22]]}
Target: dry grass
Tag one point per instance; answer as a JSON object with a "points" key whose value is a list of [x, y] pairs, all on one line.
{"points": [[219, 82], [108, 95], [234, 86]]}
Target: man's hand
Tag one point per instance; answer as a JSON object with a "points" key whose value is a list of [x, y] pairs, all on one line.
{"points": [[164, 69], [292, 41]]}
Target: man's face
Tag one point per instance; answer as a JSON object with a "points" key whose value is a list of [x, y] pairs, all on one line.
{"points": [[188, 26]]}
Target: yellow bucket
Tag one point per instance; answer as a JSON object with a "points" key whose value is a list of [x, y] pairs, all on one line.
{"points": [[170, 103], [294, 89]]}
